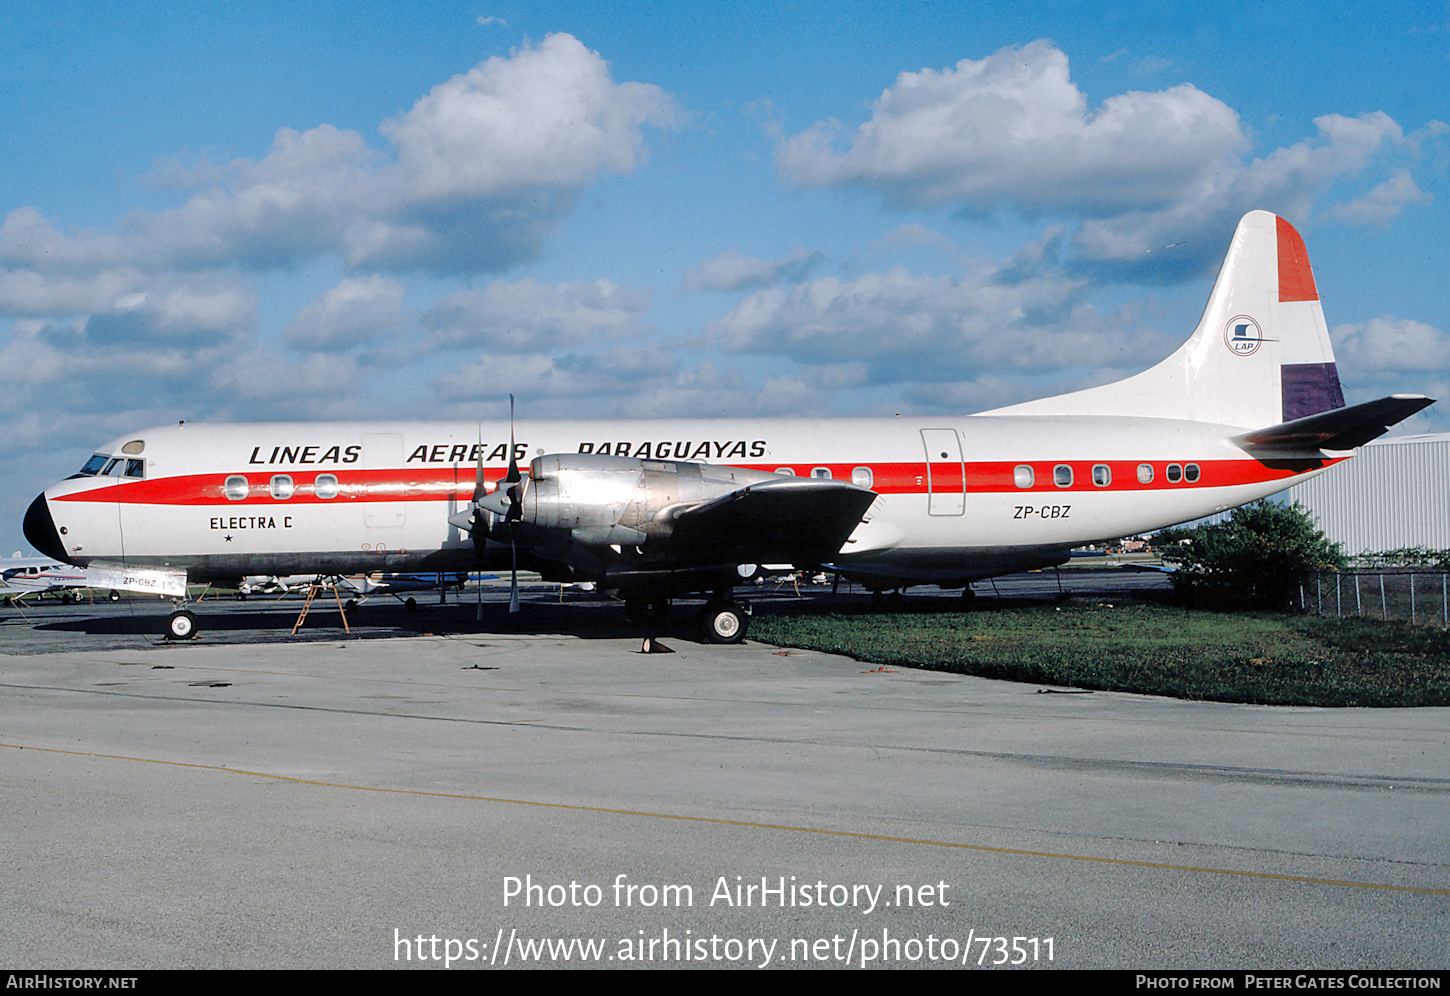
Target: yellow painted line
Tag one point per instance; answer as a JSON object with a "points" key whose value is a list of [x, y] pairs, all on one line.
{"points": [[982, 848]]}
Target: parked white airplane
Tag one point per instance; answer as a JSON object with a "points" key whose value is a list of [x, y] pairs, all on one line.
{"points": [[24, 576], [358, 584], [1248, 406]]}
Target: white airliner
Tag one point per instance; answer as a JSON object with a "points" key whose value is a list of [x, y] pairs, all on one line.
{"points": [[1249, 405]]}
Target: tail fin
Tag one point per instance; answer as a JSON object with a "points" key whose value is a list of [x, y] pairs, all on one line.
{"points": [[1260, 355]]}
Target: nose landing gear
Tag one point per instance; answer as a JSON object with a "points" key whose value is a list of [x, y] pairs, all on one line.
{"points": [[181, 625]]}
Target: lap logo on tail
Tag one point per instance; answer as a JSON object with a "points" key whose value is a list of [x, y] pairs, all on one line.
{"points": [[1242, 335]]}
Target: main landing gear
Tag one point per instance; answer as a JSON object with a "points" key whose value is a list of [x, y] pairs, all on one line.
{"points": [[724, 621]]}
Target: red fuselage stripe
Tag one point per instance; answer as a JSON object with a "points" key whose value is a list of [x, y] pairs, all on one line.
{"points": [[441, 484]]}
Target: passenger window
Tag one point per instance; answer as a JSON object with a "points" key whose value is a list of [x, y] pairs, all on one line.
{"points": [[1022, 476], [326, 486], [281, 487], [1102, 475], [1174, 474], [787, 471], [235, 488], [1190, 473], [862, 477], [1145, 473], [1062, 475], [824, 473]]}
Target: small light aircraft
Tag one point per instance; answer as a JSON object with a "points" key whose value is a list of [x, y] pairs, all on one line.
{"points": [[24, 576], [1249, 405], [360, 584]]}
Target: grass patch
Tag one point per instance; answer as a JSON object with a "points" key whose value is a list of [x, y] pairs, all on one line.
{"points": [[1261, 658]]}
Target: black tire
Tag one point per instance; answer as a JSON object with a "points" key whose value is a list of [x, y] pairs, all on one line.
{"points": [[114, 596], [181, 625], [724, 622]]}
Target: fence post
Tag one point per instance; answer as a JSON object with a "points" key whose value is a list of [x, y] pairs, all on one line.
{"points": [[1384, 613], [1412, 598], [1358, 608], [1338, 602]]}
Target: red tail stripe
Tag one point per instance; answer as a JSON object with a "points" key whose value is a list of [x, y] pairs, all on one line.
{"points": [[1296, 279]]}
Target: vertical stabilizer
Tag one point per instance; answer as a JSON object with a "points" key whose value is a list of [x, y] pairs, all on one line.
{"points": [[1260, 355]]}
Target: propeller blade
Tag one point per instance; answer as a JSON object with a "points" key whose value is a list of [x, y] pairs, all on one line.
{"points": [[513, 474], [514, 572], [507, 501], [479, 489]]}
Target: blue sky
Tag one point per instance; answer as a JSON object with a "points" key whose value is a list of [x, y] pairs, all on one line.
{"points": [[272, 211]]}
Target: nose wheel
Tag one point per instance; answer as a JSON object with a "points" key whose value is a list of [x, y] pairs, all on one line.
{"points": [[181, 625]]}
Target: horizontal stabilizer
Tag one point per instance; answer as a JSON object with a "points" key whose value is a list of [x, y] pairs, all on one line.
{"points": [[793, 519], [1339, 429]]}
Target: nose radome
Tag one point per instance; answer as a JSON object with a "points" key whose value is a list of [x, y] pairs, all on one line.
{"points": [[41, 532]]}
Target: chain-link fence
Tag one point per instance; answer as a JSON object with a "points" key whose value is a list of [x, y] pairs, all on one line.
{"points": [[1421, 597]]}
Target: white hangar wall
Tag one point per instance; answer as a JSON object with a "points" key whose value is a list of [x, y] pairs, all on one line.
{"points": [[1394, 493]]}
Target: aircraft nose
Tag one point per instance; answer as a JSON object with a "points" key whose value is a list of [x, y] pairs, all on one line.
{"points": [[41, 532]]}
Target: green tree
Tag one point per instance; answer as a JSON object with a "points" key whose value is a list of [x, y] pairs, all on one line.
{"points": [[1255, 559]]}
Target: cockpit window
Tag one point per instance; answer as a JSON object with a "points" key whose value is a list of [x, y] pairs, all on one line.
{"points": [[105, 465], [94, 465]]}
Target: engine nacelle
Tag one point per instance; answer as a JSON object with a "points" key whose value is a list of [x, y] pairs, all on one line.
{"points": [[601, 500]]}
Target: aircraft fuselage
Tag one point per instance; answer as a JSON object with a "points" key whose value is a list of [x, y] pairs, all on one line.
{"points": [[958, 498]]}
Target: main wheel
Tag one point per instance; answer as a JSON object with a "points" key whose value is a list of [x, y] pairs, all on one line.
{"points": [[181, 625], [724, 622]]}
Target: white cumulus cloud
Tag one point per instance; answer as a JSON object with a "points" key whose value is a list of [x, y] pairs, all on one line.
{"points": [[526, 316], [731, 271], [1012, 130], [352, 313]]}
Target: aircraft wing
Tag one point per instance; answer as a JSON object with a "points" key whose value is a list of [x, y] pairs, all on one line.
{"points": [[793, 519], [1337, 429]]}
